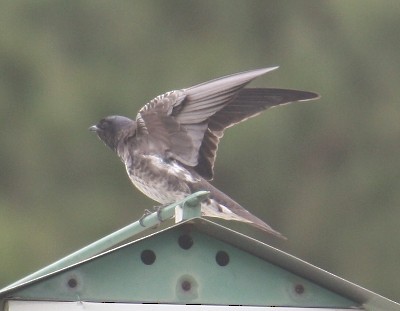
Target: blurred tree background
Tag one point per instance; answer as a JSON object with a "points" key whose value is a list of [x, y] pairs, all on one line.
{"points": [[325, 173]]}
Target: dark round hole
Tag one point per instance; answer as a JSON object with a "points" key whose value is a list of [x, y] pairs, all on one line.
{"points": [[72, 283], [299, 289], [148, 257], [222, 258], [186, 285], [185, 241]]}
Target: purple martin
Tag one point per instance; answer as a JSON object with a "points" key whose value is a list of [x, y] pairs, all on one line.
{"points": [[169, 149]]}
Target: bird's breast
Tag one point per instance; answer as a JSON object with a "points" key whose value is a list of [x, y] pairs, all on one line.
{"points": [[163, 181]]}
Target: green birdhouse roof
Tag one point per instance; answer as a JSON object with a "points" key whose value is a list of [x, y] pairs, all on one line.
{"points": [[198, 262]]}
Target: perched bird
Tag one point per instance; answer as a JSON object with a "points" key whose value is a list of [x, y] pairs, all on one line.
{"points": [[170, 148]]}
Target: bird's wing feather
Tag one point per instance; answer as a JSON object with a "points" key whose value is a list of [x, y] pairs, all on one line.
{"points": [[205, 99], [174, 124], [159, 132], [248, 103]]}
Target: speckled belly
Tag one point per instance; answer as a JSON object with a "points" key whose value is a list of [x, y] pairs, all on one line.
{"points": [[157, 190], [163, 182]]}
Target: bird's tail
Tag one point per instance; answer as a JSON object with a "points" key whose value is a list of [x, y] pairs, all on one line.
{"points": [[222, 206]]}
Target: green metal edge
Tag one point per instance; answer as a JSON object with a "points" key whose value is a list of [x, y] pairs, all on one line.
{"points": [[191, 202], [366, 298]]}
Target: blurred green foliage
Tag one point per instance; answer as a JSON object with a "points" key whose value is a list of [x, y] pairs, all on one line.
{"points": [[325, 173]]}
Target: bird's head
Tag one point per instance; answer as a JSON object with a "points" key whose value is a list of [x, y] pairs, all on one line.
{"points": [[113, 129]]}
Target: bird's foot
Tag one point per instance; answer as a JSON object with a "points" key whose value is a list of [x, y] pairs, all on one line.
{"points": [[145, 214], [155, 209], [159, 209]]}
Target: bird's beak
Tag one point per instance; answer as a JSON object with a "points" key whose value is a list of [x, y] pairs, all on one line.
{"points": [[93, 128]]}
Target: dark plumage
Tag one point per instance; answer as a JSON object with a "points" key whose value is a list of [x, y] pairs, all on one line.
{"points": [[169, 150]]}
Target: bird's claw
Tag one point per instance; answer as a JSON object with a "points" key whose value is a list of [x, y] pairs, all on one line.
{"points": [[159, 209], [145, 214]]}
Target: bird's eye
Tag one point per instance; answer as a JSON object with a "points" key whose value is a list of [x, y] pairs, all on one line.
{"points": [[103, 124]]}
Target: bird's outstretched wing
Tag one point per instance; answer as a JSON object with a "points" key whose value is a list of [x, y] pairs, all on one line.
{"points": [[187, 124], [248, 103], [174, 124]]}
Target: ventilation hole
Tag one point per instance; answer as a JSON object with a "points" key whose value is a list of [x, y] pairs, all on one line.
{"points": [[148, 257], [72, 283], [222, 258], [299, 289], [187, 288], [185, 241], [186, 285]]}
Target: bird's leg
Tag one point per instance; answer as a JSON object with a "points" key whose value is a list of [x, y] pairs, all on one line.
{"points": [[155, 209], [159, 209], [145, 214]]}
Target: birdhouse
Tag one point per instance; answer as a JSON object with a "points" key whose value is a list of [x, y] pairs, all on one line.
{"points": [[195, 264]]}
